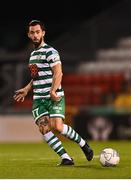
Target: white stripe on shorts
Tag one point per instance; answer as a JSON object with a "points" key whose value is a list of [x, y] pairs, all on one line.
{"points": [[57, 115]]}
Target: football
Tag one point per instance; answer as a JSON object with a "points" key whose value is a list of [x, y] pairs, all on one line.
{"points": [[109, 157]]}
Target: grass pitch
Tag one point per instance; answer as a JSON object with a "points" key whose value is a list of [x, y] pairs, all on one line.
{"points": [[38, 161]]}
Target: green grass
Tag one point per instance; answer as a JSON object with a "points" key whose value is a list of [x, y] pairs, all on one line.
{"points": [[38, 161]]}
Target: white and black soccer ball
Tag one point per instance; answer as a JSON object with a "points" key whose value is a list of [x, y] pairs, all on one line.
{"points": [[109, 157]]}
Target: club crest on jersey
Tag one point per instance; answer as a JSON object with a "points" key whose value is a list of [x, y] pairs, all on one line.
{"points": [[33, 70]]}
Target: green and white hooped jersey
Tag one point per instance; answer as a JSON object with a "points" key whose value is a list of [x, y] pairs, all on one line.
{"points": [[40, 63]]}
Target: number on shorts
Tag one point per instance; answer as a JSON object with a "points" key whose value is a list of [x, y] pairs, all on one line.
{"points": [[35, 112]]}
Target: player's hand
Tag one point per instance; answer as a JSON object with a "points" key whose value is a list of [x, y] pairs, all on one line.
{"points": [[20, 95], [54, 96]]}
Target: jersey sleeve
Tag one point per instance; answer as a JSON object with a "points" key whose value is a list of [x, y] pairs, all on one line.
{"points": [[53, 58]]}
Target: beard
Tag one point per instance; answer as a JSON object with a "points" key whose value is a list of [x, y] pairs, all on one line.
{"points": [[38, 43]]}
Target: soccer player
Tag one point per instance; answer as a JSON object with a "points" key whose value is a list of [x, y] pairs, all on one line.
{"points": [[48, 96]]}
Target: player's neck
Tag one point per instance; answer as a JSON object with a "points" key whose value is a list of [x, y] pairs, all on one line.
{"points": [[42, 44]]}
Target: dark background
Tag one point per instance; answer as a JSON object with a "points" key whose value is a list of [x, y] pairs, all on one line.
{"points": [[58, 16], [94, 41]]}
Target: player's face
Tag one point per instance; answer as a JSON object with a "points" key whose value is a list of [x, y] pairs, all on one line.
{"points": [[36, 35]]}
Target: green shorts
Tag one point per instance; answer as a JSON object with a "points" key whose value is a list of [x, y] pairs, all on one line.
{"points": [[48, 107]]}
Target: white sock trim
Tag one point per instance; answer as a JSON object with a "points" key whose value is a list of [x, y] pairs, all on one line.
{"points": [[48, 135], [82, 142], [65, 156], [65, 129]]}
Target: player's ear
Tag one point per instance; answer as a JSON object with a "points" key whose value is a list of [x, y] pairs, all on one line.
{"points": [[43, 33], [28, 35]]}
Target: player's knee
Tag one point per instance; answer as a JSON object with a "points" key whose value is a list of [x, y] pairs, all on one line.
{"points": [[58, 127], [43, 130], [43, 125]]}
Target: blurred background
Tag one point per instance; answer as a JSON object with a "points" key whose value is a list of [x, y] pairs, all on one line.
{"points": [[94, 42]]}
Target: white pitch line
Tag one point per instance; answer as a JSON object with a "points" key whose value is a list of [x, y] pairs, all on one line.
{"points": [[30, 159], [44, 158], [96, 157]]}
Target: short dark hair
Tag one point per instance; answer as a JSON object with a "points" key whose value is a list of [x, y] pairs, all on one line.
{"points": [[35, 22]]}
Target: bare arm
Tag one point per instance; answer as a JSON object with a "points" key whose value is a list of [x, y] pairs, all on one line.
{"points": [[21, 93], [57, 78], [28, 87]]}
